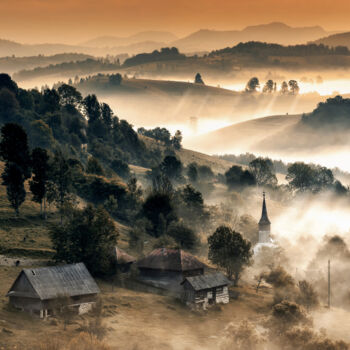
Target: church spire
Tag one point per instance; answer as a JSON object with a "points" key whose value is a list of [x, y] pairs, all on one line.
{"points": [[264, 224], [264, 220]]}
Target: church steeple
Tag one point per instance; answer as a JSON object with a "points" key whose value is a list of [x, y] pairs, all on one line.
{"points": [[264, 220], [264, 224]]}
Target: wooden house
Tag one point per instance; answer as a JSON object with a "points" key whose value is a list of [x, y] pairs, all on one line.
{"points": [[164, 262], [166, 268], [44, 290], [204, 290]]}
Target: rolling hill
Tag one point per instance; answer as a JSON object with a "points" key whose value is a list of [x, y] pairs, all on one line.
{"points": [[273, 32], [242, 137], [148, 36], [341, 39]]}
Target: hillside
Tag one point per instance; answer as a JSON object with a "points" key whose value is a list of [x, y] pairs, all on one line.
{"points": [[147, 36], [340, 39], [242, 137], [207, 40]]}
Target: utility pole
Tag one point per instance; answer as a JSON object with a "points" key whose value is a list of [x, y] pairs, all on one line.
{"points": [[329, 284]]}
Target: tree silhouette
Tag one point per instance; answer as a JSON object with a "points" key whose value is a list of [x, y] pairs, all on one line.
{"points": [[198, 79], [38, 184], [15, 152], [252, 85], [229, 250]]}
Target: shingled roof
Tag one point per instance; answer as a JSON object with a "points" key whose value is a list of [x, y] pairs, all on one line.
{"points": [[171, 260], [55, 281], [207, 281]]}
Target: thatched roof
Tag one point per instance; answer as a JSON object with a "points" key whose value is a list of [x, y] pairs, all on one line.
{"points": [[55, 281], [122, 257], [171, 260], [208, 281]]}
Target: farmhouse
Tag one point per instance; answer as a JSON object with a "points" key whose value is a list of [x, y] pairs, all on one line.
{"points": [[166, 268], [44, 290], [204, 290]]}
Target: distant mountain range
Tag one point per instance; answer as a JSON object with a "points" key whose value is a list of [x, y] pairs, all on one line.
{"points": [[341, 39], [202, 40], [276, 32], [114, 41]]}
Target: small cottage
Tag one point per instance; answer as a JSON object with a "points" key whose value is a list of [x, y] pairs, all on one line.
{"points": [[123, 260], [204, 290], [44, 290]]}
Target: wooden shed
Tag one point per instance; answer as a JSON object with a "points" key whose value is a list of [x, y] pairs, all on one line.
{"points": [[44, 290], [164, 262], [204, 290]]}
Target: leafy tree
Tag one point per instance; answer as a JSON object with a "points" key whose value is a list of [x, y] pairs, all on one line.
{"points": [[87, 237], [121, 168], [92, 108], [8, 105], [294, 87], [269, 86], [192, 172], [60, 182], [284, 88], [229, 250], [15, 152], [236, 177], [191, 206], [7, 83], [70, 97], [38, 184], [198, 79], [107, 115], [308, 297], [205, 173], [50, 101], [171, 167], [94, 167], [13, 178], [183, 235], [263, 171], [300, 176], [252, 85], [115, 79], [41, 134], [176, 140], [159, 210], [165, 241]]}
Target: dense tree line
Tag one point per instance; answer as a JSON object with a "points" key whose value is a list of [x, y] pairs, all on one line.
{"points": [[165, 54], [86, 66], [335, 113], [260, 49]]}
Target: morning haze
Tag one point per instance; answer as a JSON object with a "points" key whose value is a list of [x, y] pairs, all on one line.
{"points": [[174, 175]]}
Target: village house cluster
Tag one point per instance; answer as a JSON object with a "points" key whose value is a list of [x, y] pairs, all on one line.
{"points": [[43, 291]]}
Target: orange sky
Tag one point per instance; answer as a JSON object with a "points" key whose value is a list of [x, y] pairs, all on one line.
{"points": [[71, 21]]}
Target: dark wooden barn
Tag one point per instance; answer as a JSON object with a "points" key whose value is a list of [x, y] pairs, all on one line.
{"points": [[170, 262], [166, 268], [204, 290], [44, 290]]}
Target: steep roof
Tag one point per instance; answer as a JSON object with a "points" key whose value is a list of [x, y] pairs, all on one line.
{"points": [[170, 259], [122, 257], [264, 220], [208, 281], [55, 281]]}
